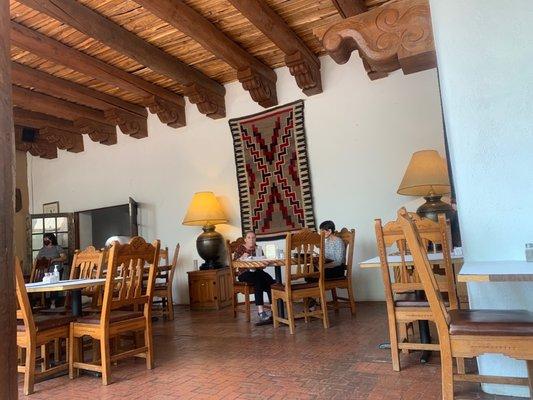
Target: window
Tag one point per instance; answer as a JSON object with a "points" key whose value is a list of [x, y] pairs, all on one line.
{"points": [[57, 224]]}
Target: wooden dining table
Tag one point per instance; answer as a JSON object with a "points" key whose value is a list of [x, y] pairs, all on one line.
{"points": [[73, 285]]}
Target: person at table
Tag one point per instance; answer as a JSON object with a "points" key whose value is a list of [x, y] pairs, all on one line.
{"points": [[56, 255], [334, 252], [257, 277]]}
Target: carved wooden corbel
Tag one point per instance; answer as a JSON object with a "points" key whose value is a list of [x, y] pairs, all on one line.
{"points": [[129, 123], [98, 132], [38, 148], [208, 102], [394, 35], [262, 89], [62, 139], [306, 71], [169, 113]]}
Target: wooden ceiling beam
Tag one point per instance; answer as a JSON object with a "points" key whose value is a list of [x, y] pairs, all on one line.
{"points": [[90, 121], [23, 75], [62, 139], [256, 77], [113, 35], [38, 120], [349, 8], [303, 64], [45, 47]]}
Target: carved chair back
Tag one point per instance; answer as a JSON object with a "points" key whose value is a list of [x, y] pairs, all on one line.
{"points": [[40, 267], [24, 311], [348, 237], [231, 247], [128, 262], [88, 264]]}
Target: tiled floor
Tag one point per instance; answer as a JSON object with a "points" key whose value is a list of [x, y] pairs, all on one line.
{"points": [[210, 355]]}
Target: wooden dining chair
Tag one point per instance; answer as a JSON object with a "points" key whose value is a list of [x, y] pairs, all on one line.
{"points": [[244, 288], [348, 237], [164, 279], [404, 304], [306, 244], [39, 268], [470, 333], [34, 332], [120, 314]]}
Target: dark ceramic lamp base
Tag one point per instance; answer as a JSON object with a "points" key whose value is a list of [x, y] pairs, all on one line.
{"points": [[209, 245]]}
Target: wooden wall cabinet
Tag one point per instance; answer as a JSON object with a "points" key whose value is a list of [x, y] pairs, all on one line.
{"points": [[209, 289]]}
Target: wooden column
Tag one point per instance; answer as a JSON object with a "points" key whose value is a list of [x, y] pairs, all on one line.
{"points": [[8, 345]]}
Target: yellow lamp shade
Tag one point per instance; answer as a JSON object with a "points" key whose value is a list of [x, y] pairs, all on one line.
{"points": [[204, 209], [426, 174]]}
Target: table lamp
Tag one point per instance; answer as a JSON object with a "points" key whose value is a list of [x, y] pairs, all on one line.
{"points": [[205, 211], [427, 176]]}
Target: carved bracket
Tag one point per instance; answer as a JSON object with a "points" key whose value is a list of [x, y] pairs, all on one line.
{"points": [[395, 35], [38, 148], [169, 113], [262, 89], [208, 102], [62, 139], [129, 123], [306, 72], [98, 132]]}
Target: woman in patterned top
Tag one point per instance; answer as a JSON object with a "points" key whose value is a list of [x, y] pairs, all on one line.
{"points": [[257, 277]]}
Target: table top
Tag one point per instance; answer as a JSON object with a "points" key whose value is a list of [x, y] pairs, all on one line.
{"points": [[72, 284], [395, 260], [259, 263], [496, 271]]}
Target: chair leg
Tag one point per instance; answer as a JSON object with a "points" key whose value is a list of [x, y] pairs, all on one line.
{"points": [[149, 343], [290, 315], [447, 375], [395, 355], [247, 306], [170, 305], [324, 307], [105, 355], [352, 298], [335, 300], [72, 354], [57, 351], [530, 376], [275, 311], [29, 372], [306, 309], [44, 356], [235, 300]]}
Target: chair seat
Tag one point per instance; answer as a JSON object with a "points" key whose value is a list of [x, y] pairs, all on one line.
{"points": [[115, 316], [44, 322], [410, 300], [295, 286], [491, 322]]}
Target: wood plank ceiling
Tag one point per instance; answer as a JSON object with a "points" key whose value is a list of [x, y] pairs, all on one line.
{"points": [[87, 66]]}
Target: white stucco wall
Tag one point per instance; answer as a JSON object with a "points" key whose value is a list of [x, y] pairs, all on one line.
{"points": [[361, 135], [484, 51]]}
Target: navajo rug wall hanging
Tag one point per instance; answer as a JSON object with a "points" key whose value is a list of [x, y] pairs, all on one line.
{"points": [[273, 171]]}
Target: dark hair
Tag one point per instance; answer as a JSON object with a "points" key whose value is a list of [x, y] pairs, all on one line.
{"points": [[52, 238], [327, 226], [247, 232]]}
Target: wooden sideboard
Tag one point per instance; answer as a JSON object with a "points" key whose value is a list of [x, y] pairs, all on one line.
{"points": [[210, 289]]}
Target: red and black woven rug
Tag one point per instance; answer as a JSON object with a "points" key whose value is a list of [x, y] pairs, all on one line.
{"points": [[273, 171]]}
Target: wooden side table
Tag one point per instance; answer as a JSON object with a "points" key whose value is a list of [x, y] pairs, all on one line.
{"points": [[210, 289]]}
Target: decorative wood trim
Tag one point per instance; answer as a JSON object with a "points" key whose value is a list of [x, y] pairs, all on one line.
{"points": [[43, 103], [62, 139], [38, 120], [113, 35], [39, 148], [262, 85], [305, 66], [395, 35], [57, 87], [101, 133], [208, 103], [169, 113], [349, 8], [45, 47], [8, 329], [130, 124]]}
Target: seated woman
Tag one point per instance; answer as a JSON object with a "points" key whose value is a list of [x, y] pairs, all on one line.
{"points": [[334, 252], [259, 278], [57, 256]]}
